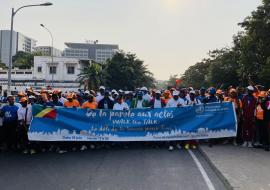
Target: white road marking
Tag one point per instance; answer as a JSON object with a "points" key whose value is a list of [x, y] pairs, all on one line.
{"points": [[203, 172]]}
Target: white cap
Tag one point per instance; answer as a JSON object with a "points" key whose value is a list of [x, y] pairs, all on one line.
{"points": [[251, 88], [158, 92], [144, 88], [175, 93], [87, 92], [126, 92], [121, 91], [32, 97], [102, 87], [114, 91], [192, 92]]}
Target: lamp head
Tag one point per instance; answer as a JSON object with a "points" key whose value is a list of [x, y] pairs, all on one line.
{"points": [[46, 4]]}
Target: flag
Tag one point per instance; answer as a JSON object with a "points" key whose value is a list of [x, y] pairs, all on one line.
{"points": [[44, 112]]}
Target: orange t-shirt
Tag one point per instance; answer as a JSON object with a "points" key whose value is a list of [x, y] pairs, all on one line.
{"points": [[69, 104], [259, 112], [90, 105]]}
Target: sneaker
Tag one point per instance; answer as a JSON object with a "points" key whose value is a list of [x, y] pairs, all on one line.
{"points": [[43, 150], [245, 144], [62, 151], [187, 146], [33, 151], [256, 144], [194, 146], [235, 143], [179, 146], [51, 148], [83, 148], [170, 148], [25, 151], [225, 142], [250, 145]]}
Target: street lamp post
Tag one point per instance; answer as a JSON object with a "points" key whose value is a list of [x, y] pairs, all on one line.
{"points": [[42, 25], [13, 13]]}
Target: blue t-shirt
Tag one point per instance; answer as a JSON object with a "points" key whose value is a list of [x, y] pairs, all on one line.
{"points": [[211, 99], [52, 104], [10, 114]]}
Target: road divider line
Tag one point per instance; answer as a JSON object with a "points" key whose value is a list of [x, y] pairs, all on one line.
{"points": [[202, 170]]}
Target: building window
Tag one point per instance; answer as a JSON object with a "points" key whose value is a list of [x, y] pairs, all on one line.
{"points": [[70, 70], [53, 70], [39, 69]]}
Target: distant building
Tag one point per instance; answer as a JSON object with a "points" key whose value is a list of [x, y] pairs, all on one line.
{"points": [[20, 43], [92, 51], [47, 51]]}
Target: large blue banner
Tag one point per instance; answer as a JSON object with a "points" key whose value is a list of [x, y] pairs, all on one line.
{"points": [[204, 121]]}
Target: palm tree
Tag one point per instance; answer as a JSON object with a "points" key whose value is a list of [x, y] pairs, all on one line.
{"points": [[91, 76]]}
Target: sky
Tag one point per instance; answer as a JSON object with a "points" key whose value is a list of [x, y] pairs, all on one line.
{"points": [[169, 35]]}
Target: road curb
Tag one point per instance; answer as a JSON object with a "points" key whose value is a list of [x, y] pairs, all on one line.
{"points": [[216, 170]]}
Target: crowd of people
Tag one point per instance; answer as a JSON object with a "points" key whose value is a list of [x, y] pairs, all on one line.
{"points": [[252, 106]]}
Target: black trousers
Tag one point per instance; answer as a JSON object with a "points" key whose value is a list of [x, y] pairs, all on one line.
{"points": [[23, 137], [10, 134]]}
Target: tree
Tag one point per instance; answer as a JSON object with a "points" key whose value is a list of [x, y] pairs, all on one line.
{"points": [[248, 58], [197, 75], [125, 71], [254, 44], [24, 60], [3, 66], [223, 68], [91, 75]]}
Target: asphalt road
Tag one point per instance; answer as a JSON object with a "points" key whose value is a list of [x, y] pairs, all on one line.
{"points": [[141, 168]]}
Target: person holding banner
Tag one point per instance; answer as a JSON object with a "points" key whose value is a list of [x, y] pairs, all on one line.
{"points": [[55, 101], [105, 102], [71, 102], [100, 94], [212, 96], [157, 102], [90, 103], [175, 102], [139, 102], [192, 102], [120, 104]]}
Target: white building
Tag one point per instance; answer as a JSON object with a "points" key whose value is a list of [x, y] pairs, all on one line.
{"points": [[20, 43], [62, 68], [47, 51], [62, 73]]}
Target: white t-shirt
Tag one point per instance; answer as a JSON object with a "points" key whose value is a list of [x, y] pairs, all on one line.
{"points": [[157, 103], [18, 104], [195, 102], [122, 106], [99, 97], [21, 114], [62, 100], [172, 103], [147, 97], [139, 104]]}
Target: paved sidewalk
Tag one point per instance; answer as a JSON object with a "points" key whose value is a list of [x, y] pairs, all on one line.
{"points": [[243, 168]]}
